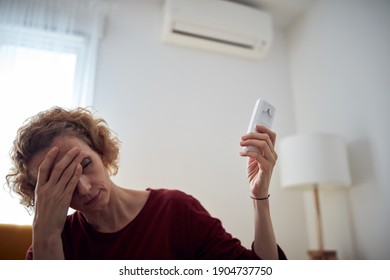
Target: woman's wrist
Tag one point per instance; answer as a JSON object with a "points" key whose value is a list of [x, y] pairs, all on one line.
{"points": [[261, 197]]}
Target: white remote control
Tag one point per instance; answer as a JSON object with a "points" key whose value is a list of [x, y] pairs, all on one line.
{"points": [[263, 114]]}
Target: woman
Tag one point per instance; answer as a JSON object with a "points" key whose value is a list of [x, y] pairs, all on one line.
{"points": [[64, 158]]}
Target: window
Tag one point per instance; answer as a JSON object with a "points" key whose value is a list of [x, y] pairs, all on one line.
{"points": [[31, 80], [48, 54]]}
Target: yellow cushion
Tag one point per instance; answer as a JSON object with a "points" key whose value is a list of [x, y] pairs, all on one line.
{"points": [[14, 241]]}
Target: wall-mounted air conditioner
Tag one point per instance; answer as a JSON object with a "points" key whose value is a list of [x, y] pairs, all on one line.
{"points": [[218, 25]]}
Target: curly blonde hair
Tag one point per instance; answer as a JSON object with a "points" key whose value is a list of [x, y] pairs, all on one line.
{"points": [[39, 131]]}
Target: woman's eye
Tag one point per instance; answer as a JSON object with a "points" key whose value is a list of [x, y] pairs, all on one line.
{"points": [[85, 162]]}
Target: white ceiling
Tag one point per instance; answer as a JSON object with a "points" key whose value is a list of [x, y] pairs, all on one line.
{"points": [[284, 12]]}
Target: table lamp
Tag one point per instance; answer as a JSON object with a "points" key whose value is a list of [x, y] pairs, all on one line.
{"points": [[314, 161]]}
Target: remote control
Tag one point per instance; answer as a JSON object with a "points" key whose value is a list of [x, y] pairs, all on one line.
{"points": [[263, 114]]}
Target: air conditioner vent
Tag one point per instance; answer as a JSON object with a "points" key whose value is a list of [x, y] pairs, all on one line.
{"points": [[219, 26]]}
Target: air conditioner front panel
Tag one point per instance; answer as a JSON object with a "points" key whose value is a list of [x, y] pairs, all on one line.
{"points": [[213, 34], [217, 25]]}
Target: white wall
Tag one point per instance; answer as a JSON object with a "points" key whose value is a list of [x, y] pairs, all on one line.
{"points": [[340, 66], [181, 112]]}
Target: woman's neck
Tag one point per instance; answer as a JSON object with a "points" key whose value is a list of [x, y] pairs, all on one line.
{"points": [[123, 206]]}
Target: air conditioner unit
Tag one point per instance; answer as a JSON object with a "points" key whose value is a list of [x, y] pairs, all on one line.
{"points": [[217, 25]]}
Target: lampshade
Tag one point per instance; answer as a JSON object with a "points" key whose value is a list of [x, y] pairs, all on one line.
{"points": [[313, 159]]}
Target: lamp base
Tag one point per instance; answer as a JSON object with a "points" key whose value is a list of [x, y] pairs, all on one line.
{"points": [[322, 255]]}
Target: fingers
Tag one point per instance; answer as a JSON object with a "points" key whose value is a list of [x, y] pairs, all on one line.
{"points": [[64, 168], [262, 133], [264, 140], [270, 133], [262, 155], [72, 183], [262, 145], [66, 172], [45, 166], [71, 174]]}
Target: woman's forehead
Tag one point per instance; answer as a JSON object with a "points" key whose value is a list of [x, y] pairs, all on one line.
{"points": [[67, 142], [64, 143]]}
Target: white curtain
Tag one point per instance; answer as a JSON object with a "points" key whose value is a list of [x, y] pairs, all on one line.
{"points": [[48, 51], [73, 26]]}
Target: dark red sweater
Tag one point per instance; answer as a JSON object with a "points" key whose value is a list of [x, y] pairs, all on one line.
{"points": [[171, 225]]}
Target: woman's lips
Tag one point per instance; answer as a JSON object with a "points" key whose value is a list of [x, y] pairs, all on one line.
{"points": [[92, 200]]}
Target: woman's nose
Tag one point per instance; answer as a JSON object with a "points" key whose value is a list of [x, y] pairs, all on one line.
{"points": [[83, 186]]}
